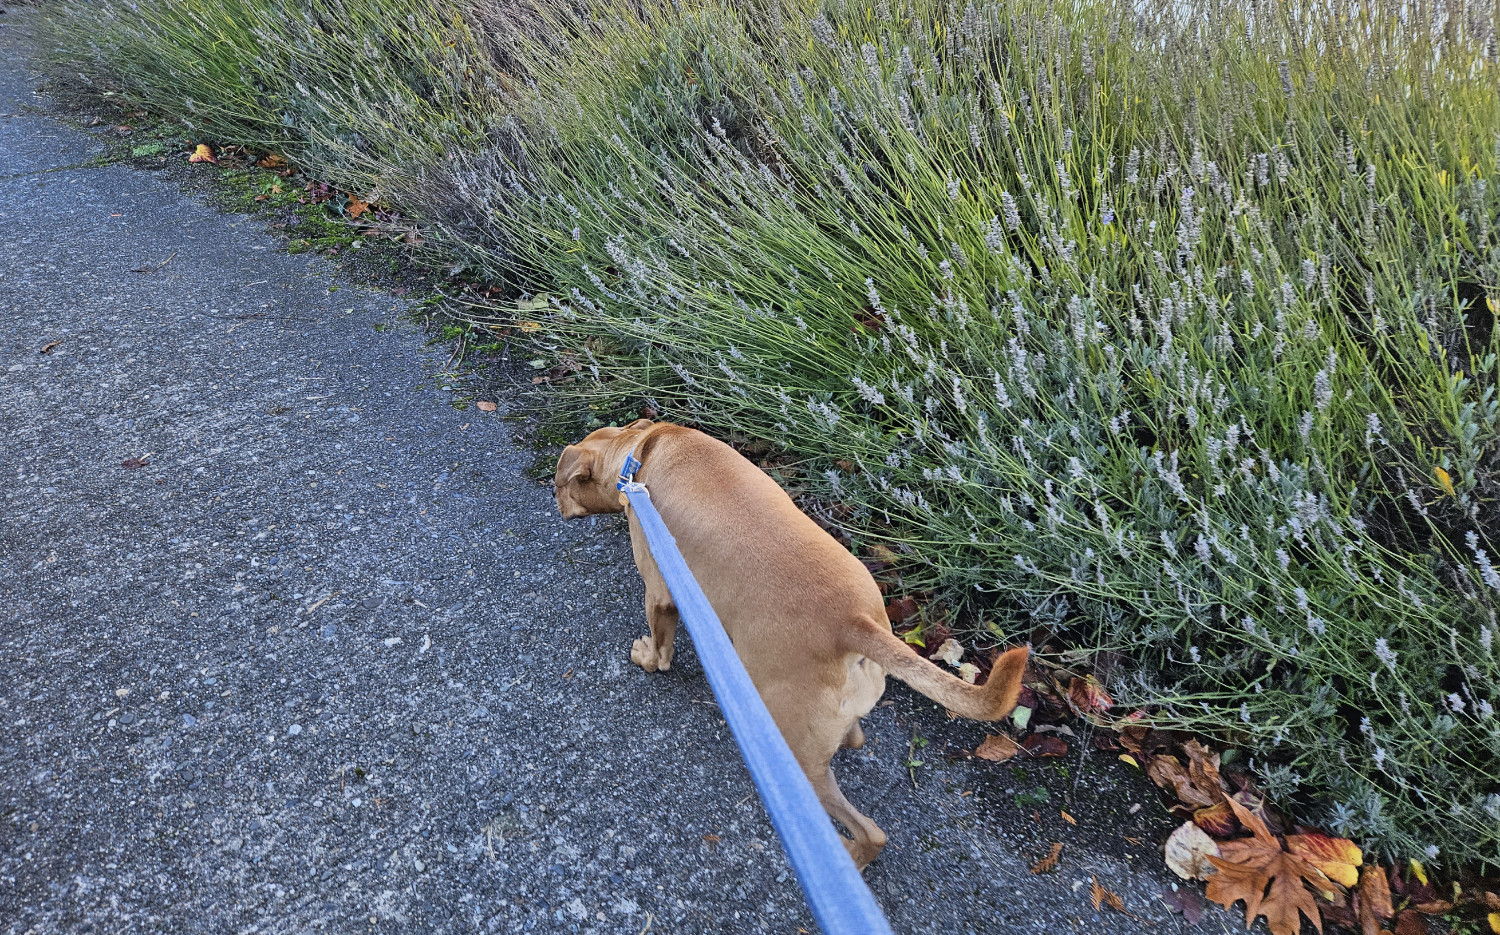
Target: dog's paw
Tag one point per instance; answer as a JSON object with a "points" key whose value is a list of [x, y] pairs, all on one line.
{"points": [[643, 654]]}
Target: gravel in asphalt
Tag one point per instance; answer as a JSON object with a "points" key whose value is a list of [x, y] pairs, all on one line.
{"points": [[290, 643]]}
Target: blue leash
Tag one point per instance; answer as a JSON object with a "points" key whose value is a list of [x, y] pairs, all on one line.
{"points": [[837, 895]]}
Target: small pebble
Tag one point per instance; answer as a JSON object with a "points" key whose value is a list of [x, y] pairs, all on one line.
{"points": [[127, 718], [294, 730], [188, 720], [419, 865]]}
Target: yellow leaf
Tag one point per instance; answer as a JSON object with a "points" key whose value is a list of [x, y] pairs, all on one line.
{"points": [[530, 326], [1489, 300], [1338, 858], [202, 153], [1445, 482], [1128, 759], [1495, 922], [1418, 871]]}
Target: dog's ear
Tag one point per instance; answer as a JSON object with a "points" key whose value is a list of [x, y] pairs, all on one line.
{"points": [[640, 424], [576, 464]]}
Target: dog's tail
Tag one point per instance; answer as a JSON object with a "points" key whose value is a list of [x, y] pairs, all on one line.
{"points": [[988, 702]]}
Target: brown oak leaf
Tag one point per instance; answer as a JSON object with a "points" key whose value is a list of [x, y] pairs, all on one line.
{"points": [[1169, 773], [997, 748], [1374, 900], [1270, 881], [1409, 922], [1045, 745], [900, 609], [1203, 770], [1086, 696]]}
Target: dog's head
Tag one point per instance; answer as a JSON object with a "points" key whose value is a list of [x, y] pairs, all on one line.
{"points": [[587, 471]]}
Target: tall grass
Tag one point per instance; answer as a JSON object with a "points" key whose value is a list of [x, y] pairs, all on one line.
{"points": [[1168, 329]]}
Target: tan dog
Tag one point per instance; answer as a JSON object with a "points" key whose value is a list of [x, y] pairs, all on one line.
{"points": [[805, 616]]}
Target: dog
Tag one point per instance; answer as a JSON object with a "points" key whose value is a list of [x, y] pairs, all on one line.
{"points": [[805, 616]]}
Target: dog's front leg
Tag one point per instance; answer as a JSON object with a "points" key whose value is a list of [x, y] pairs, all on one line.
{"points": [[654, 651]]}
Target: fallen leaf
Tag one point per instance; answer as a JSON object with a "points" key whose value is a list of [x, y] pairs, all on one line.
{"points": [[1444, 481], [202, 153], [950, 652], [1062, 729], [1129, 760], [901, 608], [711, 839], [1021, 716], [485, 405], [1492, 901], [1217, 820], [969, 672], [131, 464], [997, 748], [881, 552], [1169, 773], [1045, 745], [1185, 900], [1434, 907], [1409, 922], [1418, 871], [1049, 863], [531, 326], [1494, 920], [1100, 896], [1255, 804], [1268, 879], [1087, 696], [1187, 852], [1203, 770], [1338, 858], [355, 208], [1365, 914], [47, 348], [536, 303], [1068, 818], [271, 161]]}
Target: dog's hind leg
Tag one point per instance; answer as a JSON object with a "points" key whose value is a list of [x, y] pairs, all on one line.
{"points": [[866, 839], [854, 738]]}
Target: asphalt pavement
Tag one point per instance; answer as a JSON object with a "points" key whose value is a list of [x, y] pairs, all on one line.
{"points": [[290, 642]]}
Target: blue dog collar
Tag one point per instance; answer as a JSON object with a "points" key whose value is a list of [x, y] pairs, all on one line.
{"points": [[627, 480]]}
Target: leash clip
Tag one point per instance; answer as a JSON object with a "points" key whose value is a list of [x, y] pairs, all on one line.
{"points": [[627, 482]]}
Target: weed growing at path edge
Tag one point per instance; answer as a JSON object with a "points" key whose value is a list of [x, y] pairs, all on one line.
{"points": [[1168, 329]]}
